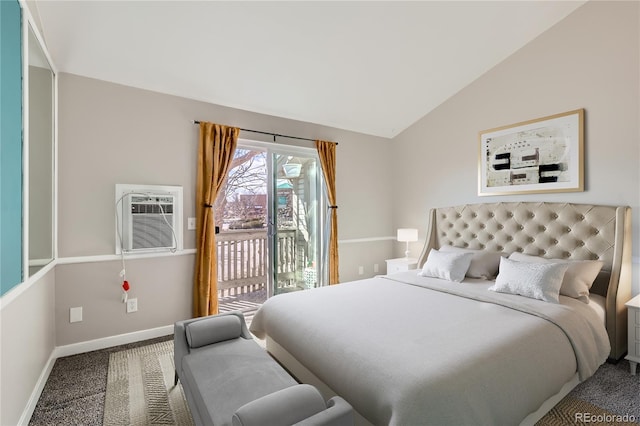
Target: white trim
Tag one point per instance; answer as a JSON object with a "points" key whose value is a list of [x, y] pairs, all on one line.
{"points": [[112, 257], [39, 262], [42, 271], [37, 391], [365, 240], [26, 25], [21, 288], [55, 162], [111, 341], [26, 11]]}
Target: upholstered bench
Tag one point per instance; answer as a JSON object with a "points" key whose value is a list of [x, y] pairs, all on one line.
{"points": [[229, 379]]}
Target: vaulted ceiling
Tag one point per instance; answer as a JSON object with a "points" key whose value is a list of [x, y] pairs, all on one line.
{"points": [[370, 67]]}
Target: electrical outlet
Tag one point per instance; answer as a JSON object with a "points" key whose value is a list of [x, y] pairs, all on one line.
{"points": [[132, 305], [75, 314], [191, 224], [360, 270], [376, 268]]}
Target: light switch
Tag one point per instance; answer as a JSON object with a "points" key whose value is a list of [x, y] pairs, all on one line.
{"points": [[191, 224]]}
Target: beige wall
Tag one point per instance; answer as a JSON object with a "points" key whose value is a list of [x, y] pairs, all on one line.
{"points": [[162, 286], [111, 134], [589, 60], [27, 339]]}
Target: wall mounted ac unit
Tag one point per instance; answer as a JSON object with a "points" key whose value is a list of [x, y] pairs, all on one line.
{"points": [[149, 218]]}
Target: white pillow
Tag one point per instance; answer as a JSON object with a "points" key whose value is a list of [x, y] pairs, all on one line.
{"points": [[535, 280], [577, 280], [448, 266], [484, 264]]}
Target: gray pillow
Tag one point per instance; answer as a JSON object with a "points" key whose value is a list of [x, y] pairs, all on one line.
{"points": [[484, 264], [212, 330], [284, 407]]}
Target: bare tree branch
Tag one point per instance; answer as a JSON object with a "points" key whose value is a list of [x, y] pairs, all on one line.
{"points": [[245, 176]]}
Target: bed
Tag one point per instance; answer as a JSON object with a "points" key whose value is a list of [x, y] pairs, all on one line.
{"points": [[406, 349]]}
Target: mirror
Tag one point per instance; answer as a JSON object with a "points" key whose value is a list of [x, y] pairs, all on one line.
{"points": [[41, 140]]}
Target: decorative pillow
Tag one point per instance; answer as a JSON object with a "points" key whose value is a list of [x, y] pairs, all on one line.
{"points": [[214, 329], [484, 264], [535, 280], [448, 266], [577, 280]]}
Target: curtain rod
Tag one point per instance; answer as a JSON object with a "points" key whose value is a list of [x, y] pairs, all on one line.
{"points": [[271, 134]]}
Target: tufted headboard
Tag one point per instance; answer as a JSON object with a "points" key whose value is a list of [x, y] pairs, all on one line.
{"points": [[552, 230]]}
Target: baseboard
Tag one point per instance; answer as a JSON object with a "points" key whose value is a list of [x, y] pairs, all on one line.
{"points": [[108, 342], [37, 391]]}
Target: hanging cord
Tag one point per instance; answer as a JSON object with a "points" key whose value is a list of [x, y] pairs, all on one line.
{"points": [[123, 272]]}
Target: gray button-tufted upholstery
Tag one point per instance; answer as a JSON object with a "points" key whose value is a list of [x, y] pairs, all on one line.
{"points": [[551, 230]]}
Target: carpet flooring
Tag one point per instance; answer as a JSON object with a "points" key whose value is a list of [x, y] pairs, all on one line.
{"points": [[75, 391]]}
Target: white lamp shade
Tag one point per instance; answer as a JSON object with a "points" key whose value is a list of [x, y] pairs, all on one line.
{"points": [[407, 234]]}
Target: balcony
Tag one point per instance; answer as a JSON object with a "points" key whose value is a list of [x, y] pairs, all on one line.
{"points": [[242, 267]]}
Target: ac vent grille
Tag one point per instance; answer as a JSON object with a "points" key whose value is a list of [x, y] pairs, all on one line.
{"points": [[151, 208], [151, 231]]}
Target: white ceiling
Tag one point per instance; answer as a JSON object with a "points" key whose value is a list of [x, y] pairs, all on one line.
{"points": [[371, 67]]}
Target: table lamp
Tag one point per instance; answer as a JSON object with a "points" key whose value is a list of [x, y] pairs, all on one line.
{"points": [[407, 235]]}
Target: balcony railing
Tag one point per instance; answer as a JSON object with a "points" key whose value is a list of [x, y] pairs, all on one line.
{"points": [[243, 257]]}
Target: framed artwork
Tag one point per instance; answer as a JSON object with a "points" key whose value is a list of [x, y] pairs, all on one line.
{"points": [[536, 156]]}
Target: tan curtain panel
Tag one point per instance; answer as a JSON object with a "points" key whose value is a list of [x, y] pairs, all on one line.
{"points": [[327, 154], [215, 152]]}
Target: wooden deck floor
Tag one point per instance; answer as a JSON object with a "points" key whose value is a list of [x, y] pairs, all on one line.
{"points": [[247, 303]]}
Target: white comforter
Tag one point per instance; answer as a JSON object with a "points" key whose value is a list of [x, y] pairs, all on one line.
{"points": [[405, 351]]}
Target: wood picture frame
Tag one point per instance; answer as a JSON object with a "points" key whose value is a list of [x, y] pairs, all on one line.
{"points": [[536, 156]]}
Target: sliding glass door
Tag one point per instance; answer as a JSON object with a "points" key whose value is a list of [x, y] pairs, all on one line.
{"points": [[269, 213], [294, 220]]}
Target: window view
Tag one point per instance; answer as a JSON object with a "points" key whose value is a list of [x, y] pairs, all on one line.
{"points": [[269, 227], [242, 203]]}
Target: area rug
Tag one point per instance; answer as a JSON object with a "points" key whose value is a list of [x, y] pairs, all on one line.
{"points": [[140, 390], [572, 411]]}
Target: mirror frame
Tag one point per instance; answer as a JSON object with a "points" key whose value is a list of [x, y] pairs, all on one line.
{"points": [[29, 31]]}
